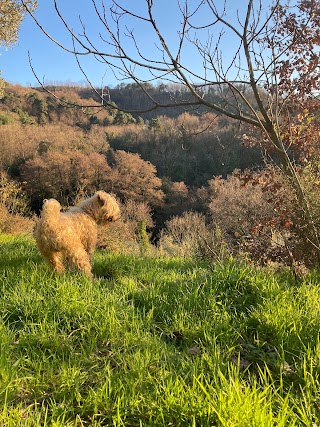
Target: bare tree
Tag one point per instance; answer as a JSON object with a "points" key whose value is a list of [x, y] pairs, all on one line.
{"points": [[255, 65]]}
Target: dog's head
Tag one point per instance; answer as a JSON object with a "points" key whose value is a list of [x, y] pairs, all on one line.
{"points": [[109, 208], [50, 208], [102, 207]]}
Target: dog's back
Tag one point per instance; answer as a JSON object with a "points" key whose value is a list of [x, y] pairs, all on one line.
{"points": [[50, 210], [58, 230], [45, 229]]}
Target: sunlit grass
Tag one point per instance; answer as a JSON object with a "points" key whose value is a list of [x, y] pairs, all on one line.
{"points": [[155, 342]]}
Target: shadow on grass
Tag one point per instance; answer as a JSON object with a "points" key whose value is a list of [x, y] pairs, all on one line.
{"points": [[17, 252], [195, 288], [113, 265]]}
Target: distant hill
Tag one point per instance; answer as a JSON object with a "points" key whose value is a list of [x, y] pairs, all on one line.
{"points": [[55, 102]]}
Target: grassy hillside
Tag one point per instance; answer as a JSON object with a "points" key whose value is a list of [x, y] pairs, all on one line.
{"points": [[155, 342]]}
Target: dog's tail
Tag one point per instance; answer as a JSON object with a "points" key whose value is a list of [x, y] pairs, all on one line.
{"points": [[51, 209]]}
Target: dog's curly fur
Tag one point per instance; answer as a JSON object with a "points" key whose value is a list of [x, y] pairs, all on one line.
{"points": [[69, 238]]}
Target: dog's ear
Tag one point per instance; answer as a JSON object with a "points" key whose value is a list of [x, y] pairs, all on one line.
{"points": [[101, 200]]}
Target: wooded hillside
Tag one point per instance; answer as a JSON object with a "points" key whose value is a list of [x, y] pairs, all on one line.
{"points": [[183, 146], [178, 174]]}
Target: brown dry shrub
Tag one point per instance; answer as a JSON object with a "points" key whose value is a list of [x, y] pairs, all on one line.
{"points": [[118, 237], [15, 216], [135, 212], [237, 207], [124, 235], [133, 178], [189, 235], [14, 223], [11, 195], [254, 211], [309, 176]]}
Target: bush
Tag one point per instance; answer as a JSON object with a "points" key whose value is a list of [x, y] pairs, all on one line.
{"points": [[14, 211], [14, 223], [118, 237], [257, 213], [189, 235], [12, 197], [4, 120], [129, 234]]}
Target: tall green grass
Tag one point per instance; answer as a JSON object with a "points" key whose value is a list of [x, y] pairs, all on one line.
{"points": [[156, 342]]}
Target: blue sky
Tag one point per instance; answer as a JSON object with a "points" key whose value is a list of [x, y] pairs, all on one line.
{"points": [[53, 65]]}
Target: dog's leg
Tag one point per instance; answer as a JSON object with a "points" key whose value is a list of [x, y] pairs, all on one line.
{"points": [[54, 259], [90, 254], [90, 245], [80, 260]]}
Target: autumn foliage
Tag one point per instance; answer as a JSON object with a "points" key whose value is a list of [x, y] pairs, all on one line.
{"points": [[162, 169]]}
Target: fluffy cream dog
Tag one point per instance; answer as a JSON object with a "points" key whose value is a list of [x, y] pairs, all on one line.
{"points": [[69, 238]]}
